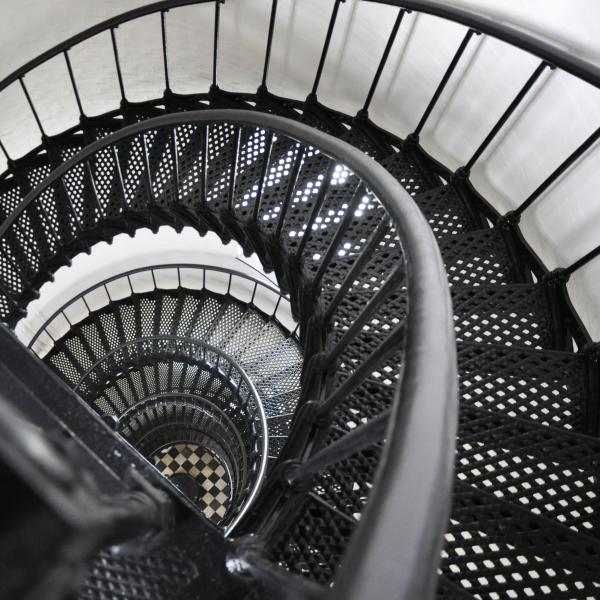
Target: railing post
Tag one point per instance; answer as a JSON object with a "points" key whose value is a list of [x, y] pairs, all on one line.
{"points": [[214, 87], [118, 65], [363, 113], [312, 97], [263, 85], [163, 31], [444, 81], [506, 114], [73, 84], [572, 158], [35, 114]]}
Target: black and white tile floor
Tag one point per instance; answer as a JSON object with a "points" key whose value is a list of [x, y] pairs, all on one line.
{"points": [[211, 477]]}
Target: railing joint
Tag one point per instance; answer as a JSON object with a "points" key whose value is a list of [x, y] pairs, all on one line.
{"points": [[557, 277], [461, 174], [509, 220]]}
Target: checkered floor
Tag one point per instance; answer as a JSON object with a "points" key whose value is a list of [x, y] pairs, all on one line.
{"points": [[206, 470]]}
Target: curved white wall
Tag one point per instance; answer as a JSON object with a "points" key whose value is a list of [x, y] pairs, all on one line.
{"points": [[559, 113]]}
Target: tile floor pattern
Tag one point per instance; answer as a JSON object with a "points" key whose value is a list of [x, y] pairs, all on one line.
{"points": [[205, 468]]}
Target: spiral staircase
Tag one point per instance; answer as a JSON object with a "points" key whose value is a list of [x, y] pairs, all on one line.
{"points": [[194, 431]]}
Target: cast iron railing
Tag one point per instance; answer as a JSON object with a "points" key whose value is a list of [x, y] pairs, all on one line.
{"points": [[265, 297], [551, 57], [132, 184]]}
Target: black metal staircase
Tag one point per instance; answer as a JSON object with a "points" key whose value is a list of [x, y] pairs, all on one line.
{"points": [[333, 439]]}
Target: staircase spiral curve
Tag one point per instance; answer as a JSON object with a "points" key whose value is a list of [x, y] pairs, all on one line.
{"points": [[296, 439]]}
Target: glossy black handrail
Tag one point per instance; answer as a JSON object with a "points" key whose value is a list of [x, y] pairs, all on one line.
{"points": [[408, 507]]}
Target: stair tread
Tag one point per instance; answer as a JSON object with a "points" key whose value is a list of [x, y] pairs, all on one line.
{"points": [[512, 314], [545, 469], [495, 546], [445, 211], [478, 257], [547, 386]]}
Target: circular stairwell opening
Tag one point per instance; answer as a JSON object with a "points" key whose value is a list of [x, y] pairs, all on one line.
{"points": [[196, 361]]}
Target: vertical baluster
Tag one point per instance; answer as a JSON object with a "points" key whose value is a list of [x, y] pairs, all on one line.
{"points": [[203, 171], [444, 81], [326, 183], [120, 178], [290, 190], [118, 64], [263, 86], [74, 84], [6, 154], [90, 176], [339, 234], [383, 61], [263, 176], [359, 264], [163, 30], [584, 260], [506, 115], [234, 167], [572, 158], [32, 107], [332, 20], [216, 43]]}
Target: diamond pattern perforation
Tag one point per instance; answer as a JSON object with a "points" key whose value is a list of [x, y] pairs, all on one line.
{"points": [[157, 575], [406, 172], [547, 387], [546, 470], [498, 550], [515, 315], [314, 542], [445, 211], [477, 258]]}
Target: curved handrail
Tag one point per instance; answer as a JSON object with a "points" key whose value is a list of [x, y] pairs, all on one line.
{"points": [[127, 274], [555, 55], [412, 491]]}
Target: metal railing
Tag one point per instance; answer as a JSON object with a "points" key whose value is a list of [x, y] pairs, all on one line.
{"points": [[280, 312], [420, 427], [551, 57]]}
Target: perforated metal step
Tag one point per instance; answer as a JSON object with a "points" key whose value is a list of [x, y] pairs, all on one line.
{"points": [[515, 315], [547, 387], [497, 549], [477, 258]]}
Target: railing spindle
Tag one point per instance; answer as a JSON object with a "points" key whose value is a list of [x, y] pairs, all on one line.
{"points": [[352, 442], [576, 154], [32, 107], [383, 61], [332, 20], [387, 347], [444, 81], [584, 260], [6, 154], [73, 83], [269, 44], [506, 114], [216, 42], [325, 185], [359, 264], [163, 31], [234, 168], [117, 64], [263, 175], [290, 189]]}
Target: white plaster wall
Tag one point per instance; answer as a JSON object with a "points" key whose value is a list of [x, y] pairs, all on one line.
{"points": [[559, 113]]}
